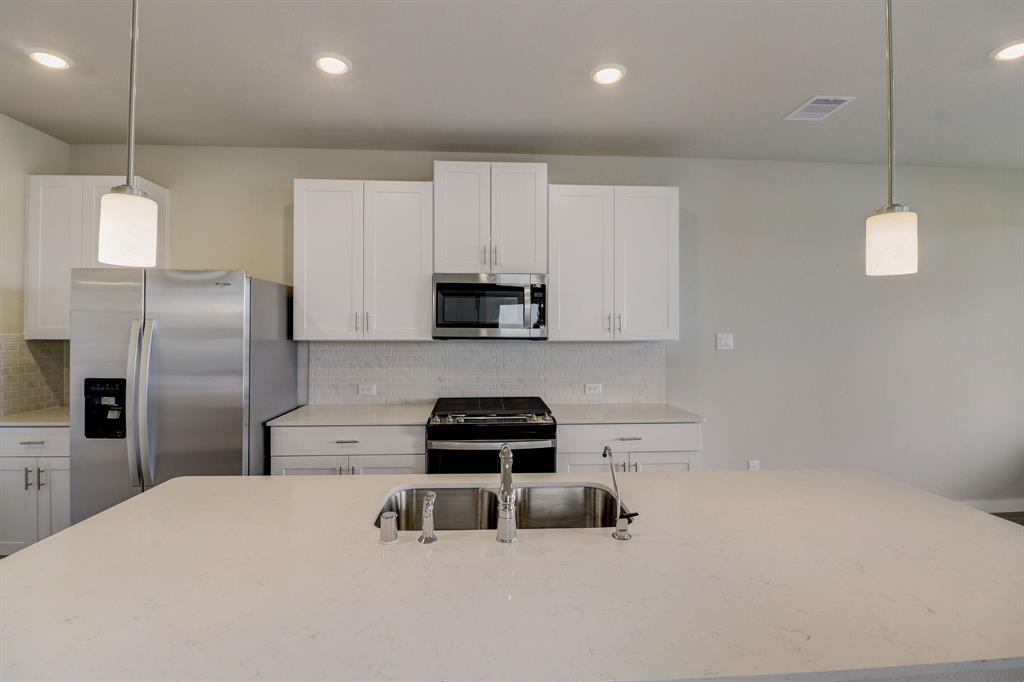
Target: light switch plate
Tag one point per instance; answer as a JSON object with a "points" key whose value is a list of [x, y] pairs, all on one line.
{"points": [[367, 389], [723, 341], [592, 389], [754, 464]]}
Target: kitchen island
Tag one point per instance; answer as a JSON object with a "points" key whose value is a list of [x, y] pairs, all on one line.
{"points": [[771, 575]]}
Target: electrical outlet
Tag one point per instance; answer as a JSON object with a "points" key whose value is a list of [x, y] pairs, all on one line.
{"points": [[592, 389], [367, 389], [723, 341], [754, 464]]}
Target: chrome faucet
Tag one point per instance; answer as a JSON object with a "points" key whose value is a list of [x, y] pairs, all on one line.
{"points": [[622, 520], [506, 498], [427, 535]]}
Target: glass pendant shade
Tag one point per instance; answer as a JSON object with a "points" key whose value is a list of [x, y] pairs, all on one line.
{"points": [[128, 230], [891, 245]]}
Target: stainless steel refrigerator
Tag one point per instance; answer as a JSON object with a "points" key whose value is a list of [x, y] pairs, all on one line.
{"points": [[173, 373]]}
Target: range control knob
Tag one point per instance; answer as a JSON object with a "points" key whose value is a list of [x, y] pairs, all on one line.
{"points": [[449, 419]]}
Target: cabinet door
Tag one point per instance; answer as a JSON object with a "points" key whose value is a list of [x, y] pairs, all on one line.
{"points": [[646, 263], [589, 462], [519, 217], [581, 285], [387, 464], [660, 461], [398, 253], [319, 465], [93, 189], [328, 293], [53, 483], [53, 236], [462, 216], [18, 507]]}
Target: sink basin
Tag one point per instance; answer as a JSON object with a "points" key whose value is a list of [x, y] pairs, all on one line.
{"points": [[454, 508], [575, 505]]}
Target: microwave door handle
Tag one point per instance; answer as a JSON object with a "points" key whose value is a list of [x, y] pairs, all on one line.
{"points": [[527, 305], [131, 405], [147, 457]]}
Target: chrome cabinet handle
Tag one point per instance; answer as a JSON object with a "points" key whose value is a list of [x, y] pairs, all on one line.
{"points": [[352, 470], [483, 254], [366, 321], [356, 313], [39, 478], [28, 472], [609, 321], [629, 438], [618, 317], [32, 442], [346, 442], [496, 259], [636, 466]]}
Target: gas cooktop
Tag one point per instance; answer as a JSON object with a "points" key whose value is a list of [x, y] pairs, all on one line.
{"points": [[490, 410]]}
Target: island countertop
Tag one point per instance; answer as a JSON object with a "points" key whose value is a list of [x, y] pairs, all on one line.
{"points": [[835, 575]]}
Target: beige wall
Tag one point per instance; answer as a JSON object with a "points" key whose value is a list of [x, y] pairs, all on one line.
{"points": [[23, 151], [918, 377]]}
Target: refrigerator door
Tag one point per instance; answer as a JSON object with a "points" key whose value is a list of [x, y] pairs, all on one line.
{"points": [[106, 315], [193, 386]]}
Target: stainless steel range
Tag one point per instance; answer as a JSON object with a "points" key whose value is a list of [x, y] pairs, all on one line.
{"points": [[464, 435]]}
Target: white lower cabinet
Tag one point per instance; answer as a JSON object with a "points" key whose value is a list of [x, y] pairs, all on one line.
{"points": [[637, 447], [35, 500], [361, 450]]}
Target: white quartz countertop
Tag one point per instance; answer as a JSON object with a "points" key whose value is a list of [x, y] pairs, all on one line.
{"points": [[51, 416], [623, 413], [837, 575], [356, 415], [418, 413]]}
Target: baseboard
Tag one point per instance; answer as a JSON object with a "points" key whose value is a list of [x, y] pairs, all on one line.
{"points": [[997, 506]]}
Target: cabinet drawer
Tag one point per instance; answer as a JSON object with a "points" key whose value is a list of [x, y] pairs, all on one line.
{"points": [[629, 437], [39, 441], [286, 441], [321, 465]]}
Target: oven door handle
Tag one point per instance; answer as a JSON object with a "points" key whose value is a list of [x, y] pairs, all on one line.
{"points": [[489, 445]]}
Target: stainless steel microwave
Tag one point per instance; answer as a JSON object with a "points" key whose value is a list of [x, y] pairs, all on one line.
{"points": [[486, 306]]}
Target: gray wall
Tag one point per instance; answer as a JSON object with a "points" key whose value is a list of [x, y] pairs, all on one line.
{"points": [[919, 377]]}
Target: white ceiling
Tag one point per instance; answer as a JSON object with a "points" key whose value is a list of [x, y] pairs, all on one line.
{"points": [[707, 78]]}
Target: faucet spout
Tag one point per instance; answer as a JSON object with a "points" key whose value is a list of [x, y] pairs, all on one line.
{"points": [[506, 498]]}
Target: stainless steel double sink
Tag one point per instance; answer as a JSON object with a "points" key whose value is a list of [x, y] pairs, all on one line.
{"points": [[476, 508]]}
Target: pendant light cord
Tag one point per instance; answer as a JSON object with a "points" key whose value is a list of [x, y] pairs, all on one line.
{"points": [[888, 93], [130, 175]]}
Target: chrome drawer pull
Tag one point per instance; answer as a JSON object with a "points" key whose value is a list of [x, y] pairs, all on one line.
{"points": [[39, 478], [32, 442], [28, 484], [346, 442], [628, 438]]}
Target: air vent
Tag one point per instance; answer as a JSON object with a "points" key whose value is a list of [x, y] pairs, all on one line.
{"points": [[819, 108]]}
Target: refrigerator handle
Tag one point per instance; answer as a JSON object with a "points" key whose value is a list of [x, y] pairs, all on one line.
{"points": [[131, 404], [146, 458]]}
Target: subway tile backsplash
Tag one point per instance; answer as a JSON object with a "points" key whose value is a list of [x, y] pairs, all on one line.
{"points": [[420, 371], [33, 374]]}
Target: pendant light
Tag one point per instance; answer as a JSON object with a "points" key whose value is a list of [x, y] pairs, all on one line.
{"points": [[128, 217], [891, 233]]}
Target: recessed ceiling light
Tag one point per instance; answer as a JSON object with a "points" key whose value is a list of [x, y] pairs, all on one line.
{"points": [[332, 63], [608, 74], [1008, 53], [50, 60]]}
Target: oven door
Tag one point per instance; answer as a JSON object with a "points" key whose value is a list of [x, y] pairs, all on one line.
{"points": [[481, 457], [489, 306]]}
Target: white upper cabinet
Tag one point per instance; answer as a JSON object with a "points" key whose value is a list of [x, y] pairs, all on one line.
{"points": [[646, 263], [328, 252], [398, 253], [362, 260], [490, 217], [519, 217], [62, 232], [462, 216], [581, 285], [614, 263]]}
